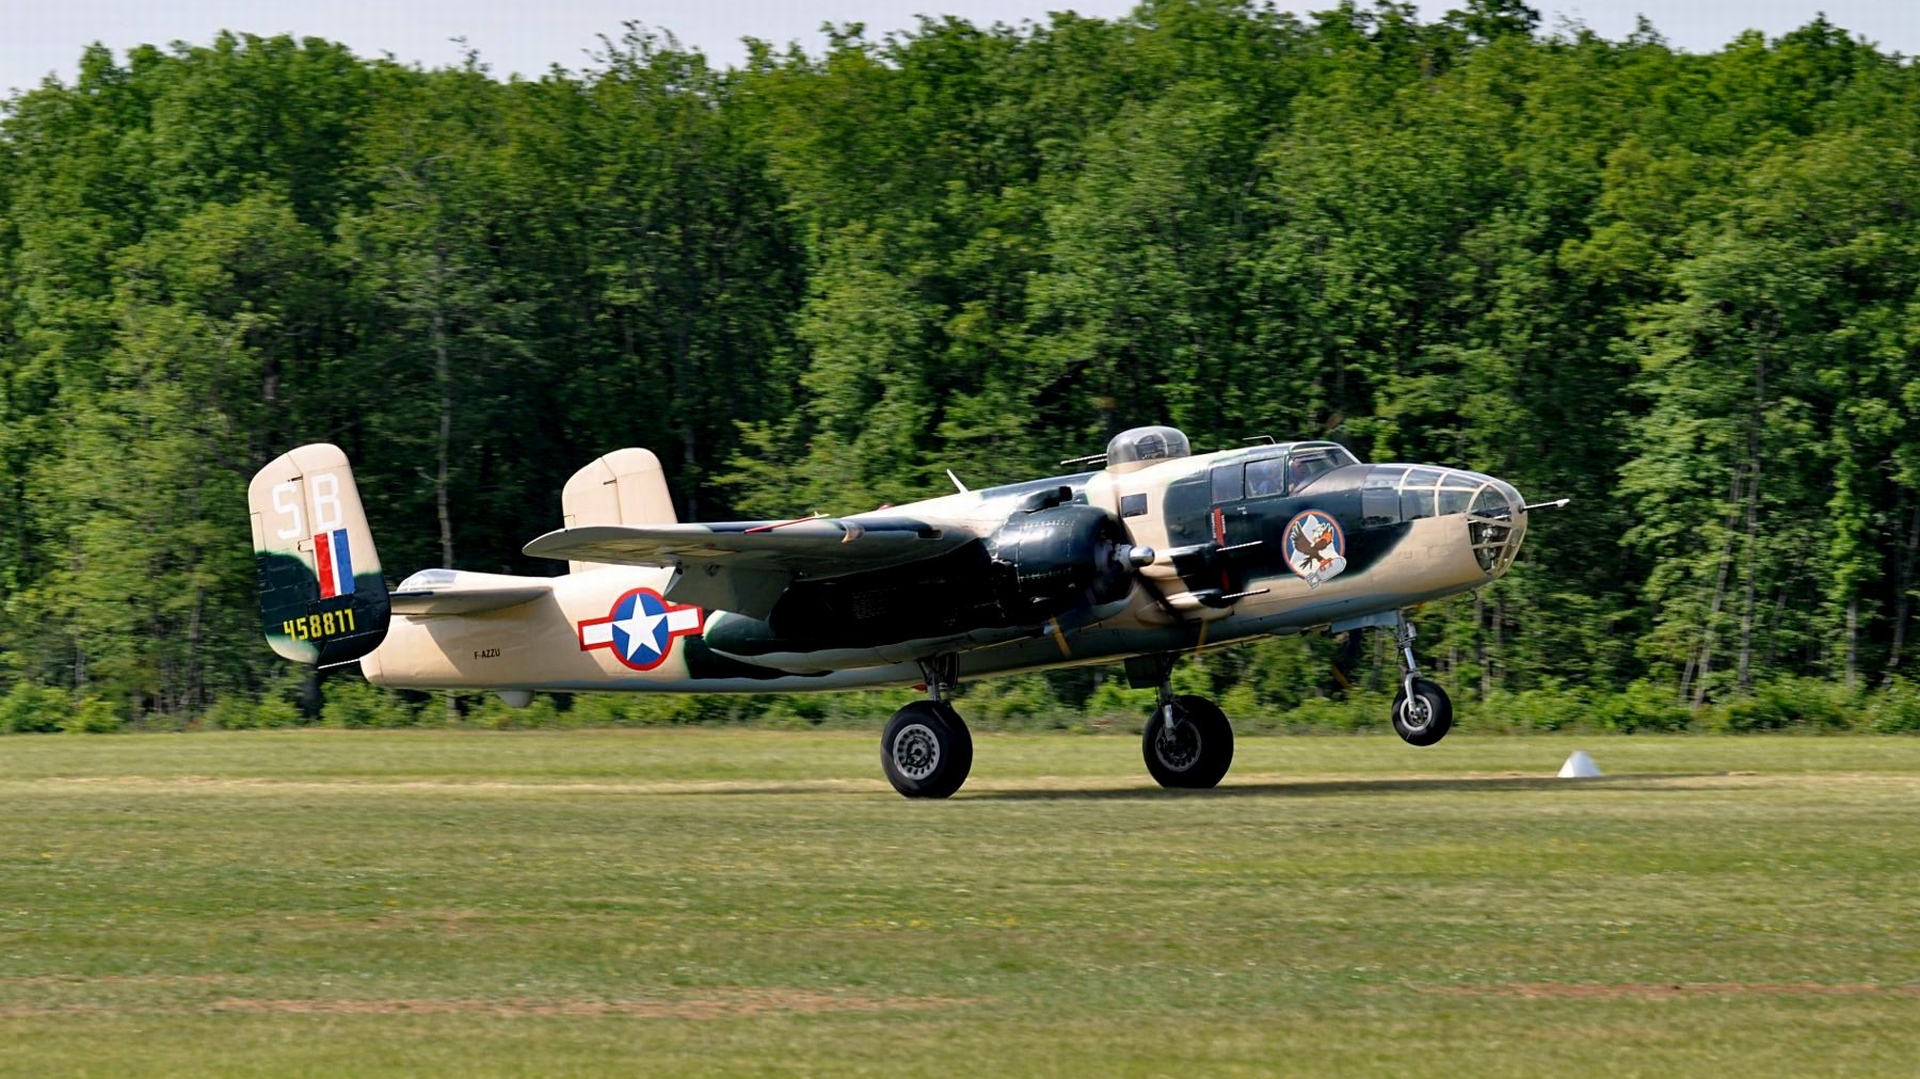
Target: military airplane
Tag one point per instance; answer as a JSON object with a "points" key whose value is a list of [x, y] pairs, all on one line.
{"points": [[1149, 553]]}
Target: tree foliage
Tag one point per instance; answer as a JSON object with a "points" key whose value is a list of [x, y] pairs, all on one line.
{"points": [[1683, 290]]}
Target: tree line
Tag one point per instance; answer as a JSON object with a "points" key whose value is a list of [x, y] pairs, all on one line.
{"points": [[1682, 290]]}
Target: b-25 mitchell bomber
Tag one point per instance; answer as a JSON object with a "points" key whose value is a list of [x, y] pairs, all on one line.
{"points": [[1152, 553]]}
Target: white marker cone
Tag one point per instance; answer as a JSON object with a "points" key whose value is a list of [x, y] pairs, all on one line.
{"points": [[1579, 766]]}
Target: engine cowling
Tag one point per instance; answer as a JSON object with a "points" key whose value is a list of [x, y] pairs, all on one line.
{"points": [[1063, 558], [1054, 561]]}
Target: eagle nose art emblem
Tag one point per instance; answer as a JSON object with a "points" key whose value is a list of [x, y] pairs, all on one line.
{"points": [[641, 628], [1316, 549]]}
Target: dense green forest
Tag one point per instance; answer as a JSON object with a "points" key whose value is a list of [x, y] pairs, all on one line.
{"points": [[1682, 290]]}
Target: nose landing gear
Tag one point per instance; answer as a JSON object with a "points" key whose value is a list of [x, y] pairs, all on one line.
{"points": [[1422, 713]]}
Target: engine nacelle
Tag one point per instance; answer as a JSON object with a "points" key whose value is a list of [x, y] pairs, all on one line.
{"points": [[1057, 559], [1060, 559]]}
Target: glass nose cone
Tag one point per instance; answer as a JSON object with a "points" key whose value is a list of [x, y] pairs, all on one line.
{"points": [[1496, 521]]}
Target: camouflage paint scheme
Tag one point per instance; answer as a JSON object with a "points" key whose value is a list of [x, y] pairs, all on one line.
{"points": [[1047, 573], [299, 622]]}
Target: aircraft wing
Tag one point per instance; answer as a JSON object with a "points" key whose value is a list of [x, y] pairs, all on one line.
{"points": [[743, 566]]}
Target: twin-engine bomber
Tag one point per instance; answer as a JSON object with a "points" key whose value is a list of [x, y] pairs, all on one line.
{"points": [[1155, 553]]}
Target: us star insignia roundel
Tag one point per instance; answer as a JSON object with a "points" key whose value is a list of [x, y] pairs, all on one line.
{"points": [[641, 628]]}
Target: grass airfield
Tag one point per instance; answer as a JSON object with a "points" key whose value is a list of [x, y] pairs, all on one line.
{"points": [[701, 902]]}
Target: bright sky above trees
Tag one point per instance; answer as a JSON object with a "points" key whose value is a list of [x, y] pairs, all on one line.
{"points": [[514, 36]]}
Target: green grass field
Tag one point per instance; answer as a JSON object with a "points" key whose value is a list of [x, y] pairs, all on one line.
{"points": [[658, 903]]}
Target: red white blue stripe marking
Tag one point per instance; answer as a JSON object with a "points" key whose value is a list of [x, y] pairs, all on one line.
{"points": [[333, 560]]}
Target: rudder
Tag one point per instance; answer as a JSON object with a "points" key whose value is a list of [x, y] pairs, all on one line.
{"points": [[323, 600]]}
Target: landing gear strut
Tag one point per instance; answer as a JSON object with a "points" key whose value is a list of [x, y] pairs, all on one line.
{"points": [[926, 749], [1188, 742], [1346, 661], [1422, 714]]}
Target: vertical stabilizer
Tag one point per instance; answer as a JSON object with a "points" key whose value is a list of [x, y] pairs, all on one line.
{"points": [[322, 598], [626, 487]]}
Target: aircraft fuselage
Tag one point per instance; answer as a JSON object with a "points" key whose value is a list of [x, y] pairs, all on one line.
{"points": [[1245, 543]]}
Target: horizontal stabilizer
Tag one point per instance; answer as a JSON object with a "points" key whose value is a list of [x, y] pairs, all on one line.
{"points": [[447, 592]]}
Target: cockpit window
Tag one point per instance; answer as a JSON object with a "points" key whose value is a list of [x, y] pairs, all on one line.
{"points": [[1267, 477], [1305, 466]]}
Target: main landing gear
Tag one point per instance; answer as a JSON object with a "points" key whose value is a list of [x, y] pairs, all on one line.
{"points": [[1188, 742], [926, 749]]}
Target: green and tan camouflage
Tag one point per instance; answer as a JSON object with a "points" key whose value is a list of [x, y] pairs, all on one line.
{"points": [[323, 600], [1152, 553]]}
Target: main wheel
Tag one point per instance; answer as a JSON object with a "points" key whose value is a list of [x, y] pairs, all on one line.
{"points": [[926, 750], [1194, 752], [1426, 717]]}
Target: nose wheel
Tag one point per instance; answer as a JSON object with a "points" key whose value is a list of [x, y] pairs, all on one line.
{"points": [[1422, 713]]}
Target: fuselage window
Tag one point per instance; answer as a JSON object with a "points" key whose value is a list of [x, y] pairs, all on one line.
{"points": [[1186, 510], [1417, 493], [1133, 505], [1226, 483], [1380, 496], [1267, 477]]}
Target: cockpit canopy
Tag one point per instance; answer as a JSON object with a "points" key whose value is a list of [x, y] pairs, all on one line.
{"points": [[1141, 445]]}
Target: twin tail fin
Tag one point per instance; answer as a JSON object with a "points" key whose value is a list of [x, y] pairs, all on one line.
{"points": [[323, 600]]}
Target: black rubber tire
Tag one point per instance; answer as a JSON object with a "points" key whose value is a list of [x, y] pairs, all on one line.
{"points": [[926, 750], [1427, 719], [1199, 750]]}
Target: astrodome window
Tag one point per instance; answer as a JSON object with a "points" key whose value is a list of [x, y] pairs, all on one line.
{"points": [[1147, 444]]}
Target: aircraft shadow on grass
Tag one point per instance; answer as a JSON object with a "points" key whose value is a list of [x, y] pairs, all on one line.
{"points": [[1643, 781], [1650, 782]]}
